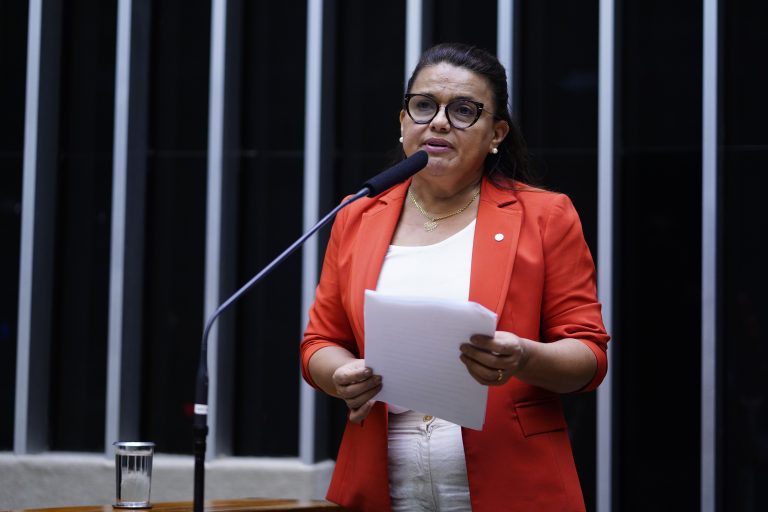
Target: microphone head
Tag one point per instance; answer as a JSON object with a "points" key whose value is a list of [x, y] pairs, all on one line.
{"points": [[397, 173]]}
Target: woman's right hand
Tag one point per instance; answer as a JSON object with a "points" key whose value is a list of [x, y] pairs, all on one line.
{"points": [[357, 385]]}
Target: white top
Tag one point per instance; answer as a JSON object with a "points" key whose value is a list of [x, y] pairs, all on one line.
{"points": [[439, 270], [426, 463]]}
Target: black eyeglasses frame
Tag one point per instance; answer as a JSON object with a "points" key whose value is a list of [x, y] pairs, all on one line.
{"points": [[480, 109]]}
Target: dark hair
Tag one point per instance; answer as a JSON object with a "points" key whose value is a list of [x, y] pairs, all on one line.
{"points": [[511, 162]]}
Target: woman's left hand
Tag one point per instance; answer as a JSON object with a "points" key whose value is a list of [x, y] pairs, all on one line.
{"points": [[492, 361]]}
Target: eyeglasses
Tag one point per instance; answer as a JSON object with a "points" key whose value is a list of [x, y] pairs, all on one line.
{"points": [[461, 114]]}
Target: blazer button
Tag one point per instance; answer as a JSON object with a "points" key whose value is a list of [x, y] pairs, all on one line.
{"points": [[499, 237]]}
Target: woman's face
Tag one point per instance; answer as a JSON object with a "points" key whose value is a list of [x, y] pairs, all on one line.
{"points": [[454, 154]]}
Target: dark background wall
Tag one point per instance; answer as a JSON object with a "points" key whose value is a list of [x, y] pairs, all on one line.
{"points": [[657, 280]]}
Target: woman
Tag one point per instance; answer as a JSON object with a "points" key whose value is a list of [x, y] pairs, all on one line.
{"points": [[464, 227]]}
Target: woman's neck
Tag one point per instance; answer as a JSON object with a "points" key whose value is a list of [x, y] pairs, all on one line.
{"points": [[439, 197]]}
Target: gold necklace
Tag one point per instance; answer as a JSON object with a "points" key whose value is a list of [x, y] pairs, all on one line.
{"points": [[431, 223]]}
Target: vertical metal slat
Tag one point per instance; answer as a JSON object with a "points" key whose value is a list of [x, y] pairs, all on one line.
{"points": [[213, 228], [312, 133], [505, 45], [709, 258], [606, 131]]}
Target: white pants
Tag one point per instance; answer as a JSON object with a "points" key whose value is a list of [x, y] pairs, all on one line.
{"points": [[427, 469]]}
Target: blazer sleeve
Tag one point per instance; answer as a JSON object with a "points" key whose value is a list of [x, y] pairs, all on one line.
{"points": [[328, 321], [569, 307]]}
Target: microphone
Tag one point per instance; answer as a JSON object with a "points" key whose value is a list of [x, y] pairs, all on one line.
{"points": [[374, 186], [397, 173]]}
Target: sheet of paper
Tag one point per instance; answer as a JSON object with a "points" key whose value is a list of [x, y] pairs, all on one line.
{"points": [[413, 343]]}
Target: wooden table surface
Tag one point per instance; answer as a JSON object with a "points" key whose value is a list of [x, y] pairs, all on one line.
{"points": [[240, 505]]}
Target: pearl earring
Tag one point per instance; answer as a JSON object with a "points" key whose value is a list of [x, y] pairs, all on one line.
{"points": [[494, 151], [401, 139]]}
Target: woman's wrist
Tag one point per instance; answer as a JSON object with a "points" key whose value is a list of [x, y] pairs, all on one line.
{"points": [[561, 366], [324, 363]]}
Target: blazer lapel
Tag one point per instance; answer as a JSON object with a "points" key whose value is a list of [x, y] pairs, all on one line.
{"points": [[497, 233], [377, 226]]}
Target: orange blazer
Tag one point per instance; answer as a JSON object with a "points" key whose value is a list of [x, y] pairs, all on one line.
{"points": [[539, 278]]}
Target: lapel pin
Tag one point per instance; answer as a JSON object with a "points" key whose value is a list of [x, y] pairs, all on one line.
{"points": [[498, 237]]}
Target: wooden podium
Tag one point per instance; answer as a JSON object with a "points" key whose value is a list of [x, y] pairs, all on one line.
{"points": [[242, 505]]}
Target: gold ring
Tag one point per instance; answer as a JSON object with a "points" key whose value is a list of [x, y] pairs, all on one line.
{"points": [[500, 376]]}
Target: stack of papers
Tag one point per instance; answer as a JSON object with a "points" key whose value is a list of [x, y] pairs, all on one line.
{"points": [[413, 343]]}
